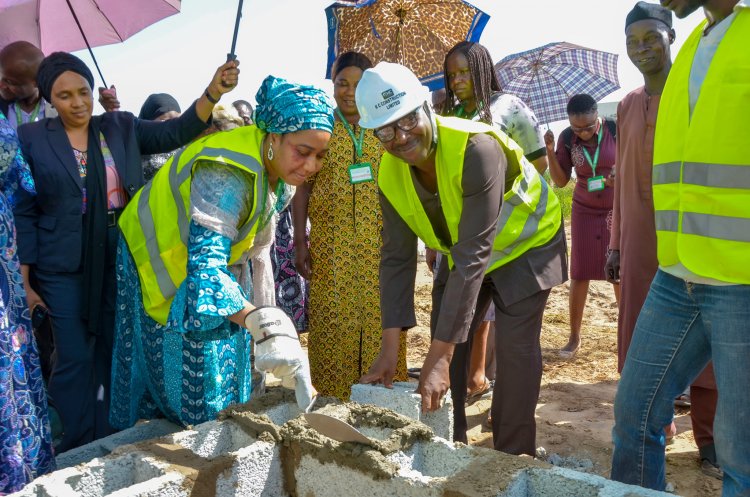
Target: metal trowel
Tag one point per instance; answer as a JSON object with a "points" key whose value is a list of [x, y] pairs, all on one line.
{"points": [[334, 428]]}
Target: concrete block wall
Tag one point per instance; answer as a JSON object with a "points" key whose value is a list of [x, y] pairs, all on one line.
{"points": [[99, 448], [402, 399], [133, 474], [405, 460], [236, 455], [265, 448]]}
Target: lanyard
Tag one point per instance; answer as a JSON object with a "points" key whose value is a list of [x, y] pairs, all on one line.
{"points": [[460, 112], [32, 117], [358, 142], [279, 199], [594, 162]]}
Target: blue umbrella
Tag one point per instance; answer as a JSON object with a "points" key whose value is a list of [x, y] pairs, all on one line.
{"points": [[546, 77], [415, 33]]}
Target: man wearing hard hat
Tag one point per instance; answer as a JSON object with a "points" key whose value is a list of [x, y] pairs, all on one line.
{"points": [[465, 189]]}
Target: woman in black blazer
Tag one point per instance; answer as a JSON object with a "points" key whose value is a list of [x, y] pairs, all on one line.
{"points": [[85, 169]]}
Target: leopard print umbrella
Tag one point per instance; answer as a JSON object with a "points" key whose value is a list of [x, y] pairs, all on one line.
{"points": [[415, 33]]}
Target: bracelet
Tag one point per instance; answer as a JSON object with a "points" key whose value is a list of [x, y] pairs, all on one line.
{"points": [[210, 98]]}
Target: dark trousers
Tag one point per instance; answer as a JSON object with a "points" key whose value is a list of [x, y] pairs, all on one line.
{"points": [[80, 380], [518, 376]]}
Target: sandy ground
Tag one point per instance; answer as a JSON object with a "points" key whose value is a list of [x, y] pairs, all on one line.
{"points": [[574, 414]]}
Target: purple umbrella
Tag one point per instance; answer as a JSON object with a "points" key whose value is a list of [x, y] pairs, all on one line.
{"points": [[70, 25], [546, 77]]}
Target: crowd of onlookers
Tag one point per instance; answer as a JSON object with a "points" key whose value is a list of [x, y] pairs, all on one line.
{"points": [[158, 265]]}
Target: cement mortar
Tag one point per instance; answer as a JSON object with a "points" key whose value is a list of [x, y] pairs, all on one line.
{"points": [[490, 473], [201, 473], [266, 448], [401, 433], [255, 417]]}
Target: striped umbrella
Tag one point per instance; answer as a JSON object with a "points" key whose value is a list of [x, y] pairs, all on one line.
{"points": [[546, 77], [415, 33]]}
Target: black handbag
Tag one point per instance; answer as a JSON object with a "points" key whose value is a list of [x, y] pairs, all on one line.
{"points": [[45, 340]]}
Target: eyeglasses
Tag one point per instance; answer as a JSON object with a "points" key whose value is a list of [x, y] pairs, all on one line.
{"points": [[406, 123], [590, 127]]}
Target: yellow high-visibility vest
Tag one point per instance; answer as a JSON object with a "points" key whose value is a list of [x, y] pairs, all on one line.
{"points": [[701, 175], [156, 222], [529, 217]]}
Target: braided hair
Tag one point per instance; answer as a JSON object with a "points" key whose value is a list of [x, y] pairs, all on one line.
{"points": [[483, 78]]}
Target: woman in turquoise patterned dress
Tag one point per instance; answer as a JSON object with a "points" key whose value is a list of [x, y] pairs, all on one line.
{"points": [[25, 441], [189, 316]]}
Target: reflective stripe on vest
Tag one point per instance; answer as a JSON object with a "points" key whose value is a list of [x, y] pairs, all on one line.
{"points": [[701, 174], [156, 223], [704, 174], [529, 217], [532, 223]]}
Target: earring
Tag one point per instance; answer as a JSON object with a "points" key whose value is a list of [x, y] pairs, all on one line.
{"points": [[270, 152]]}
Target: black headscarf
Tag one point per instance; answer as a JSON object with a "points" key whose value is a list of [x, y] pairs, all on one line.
{"points": [[644, 10], [54, 65], [157, 104]]}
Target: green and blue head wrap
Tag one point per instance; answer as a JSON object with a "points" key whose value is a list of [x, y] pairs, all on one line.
{"points": [[285, 107]]}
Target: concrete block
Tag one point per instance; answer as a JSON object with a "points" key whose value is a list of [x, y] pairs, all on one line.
{"points": [[223, 459], [316, 478], [402, 399], [169, 485], [50, 485], [144, 430], [108, 475], [266, 449], [562, 482], [256, 471], [404, 459], [134, 474], [212, 439]]}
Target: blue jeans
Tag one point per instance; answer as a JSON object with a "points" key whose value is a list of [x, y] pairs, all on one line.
{"points": [[681, 327]]}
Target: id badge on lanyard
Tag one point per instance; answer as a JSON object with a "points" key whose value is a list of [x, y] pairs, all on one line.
{"points": [[595, 183], [360, 172]]}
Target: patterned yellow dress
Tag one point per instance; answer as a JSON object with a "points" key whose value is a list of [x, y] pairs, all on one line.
{"points": [[345, 240]]}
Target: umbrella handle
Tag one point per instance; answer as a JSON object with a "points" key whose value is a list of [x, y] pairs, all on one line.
{"points": [[91, 52], [231, 55]]}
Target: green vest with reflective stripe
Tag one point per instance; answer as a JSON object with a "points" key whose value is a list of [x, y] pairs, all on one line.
{"points": [[156, 221], [529, 217], [701, 174]]}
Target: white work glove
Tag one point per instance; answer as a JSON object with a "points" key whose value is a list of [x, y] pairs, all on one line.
{"points": [[278, 351]]}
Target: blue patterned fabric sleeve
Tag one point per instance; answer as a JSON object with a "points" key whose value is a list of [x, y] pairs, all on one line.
{"points": [[210, 293], [14, 171], [220, 200], [221, 197]]}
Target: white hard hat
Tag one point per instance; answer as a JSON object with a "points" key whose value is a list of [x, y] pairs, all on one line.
{"points": [[386, 93]]}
